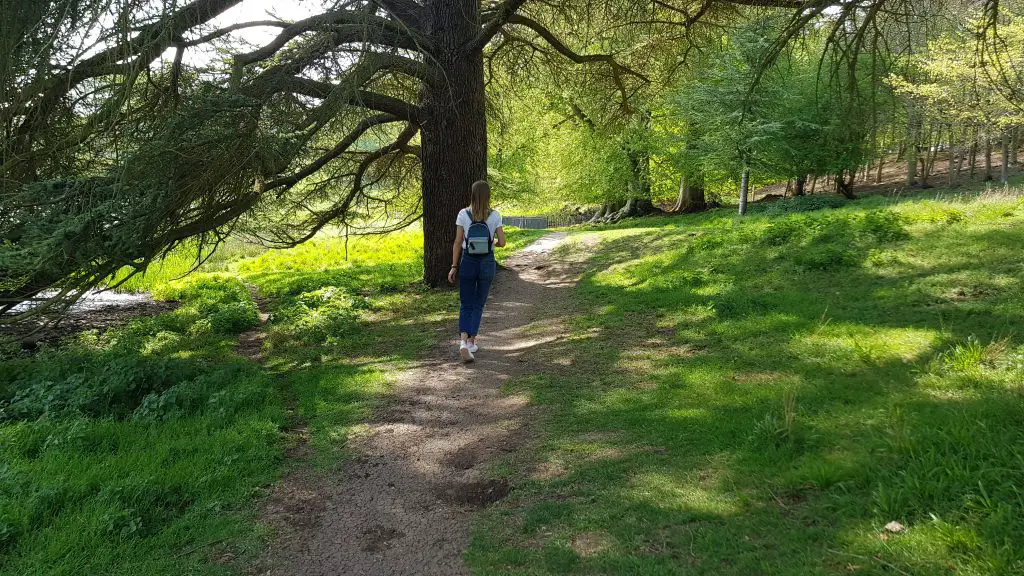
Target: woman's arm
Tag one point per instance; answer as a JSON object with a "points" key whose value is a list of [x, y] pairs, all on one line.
{"points": [[499, 237], [456, 253]]}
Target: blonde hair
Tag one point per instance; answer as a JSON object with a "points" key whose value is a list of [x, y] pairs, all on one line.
{"points": [[480, 200]]}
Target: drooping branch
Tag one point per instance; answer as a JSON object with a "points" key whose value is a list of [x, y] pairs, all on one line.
{"points": [[322, 218], [564, 50], [145, 47], [617, 69], [338, 150]]}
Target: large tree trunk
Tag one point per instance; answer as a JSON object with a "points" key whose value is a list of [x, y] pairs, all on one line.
{"points": [[844, 184], [798, 188], [639, 202], [454, 137], [691, 196]]}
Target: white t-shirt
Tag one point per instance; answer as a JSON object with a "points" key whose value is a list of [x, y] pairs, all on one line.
{"points": [[466, 220]]}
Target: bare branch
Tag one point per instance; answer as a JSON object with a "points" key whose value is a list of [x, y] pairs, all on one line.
{"points": [[493, 24], [229, 29], [348, 27], [407, 12]]}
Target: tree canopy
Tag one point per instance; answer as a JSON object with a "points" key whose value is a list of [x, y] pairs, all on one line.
{"points": [[120, 143]]}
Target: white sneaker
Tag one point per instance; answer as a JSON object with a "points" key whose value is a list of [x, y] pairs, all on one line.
{"points": [[465, 353], [472, 348]]}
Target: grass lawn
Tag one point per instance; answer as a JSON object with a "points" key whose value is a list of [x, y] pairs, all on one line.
{"points": [[763, 396], [142, 450], [755, 396]]}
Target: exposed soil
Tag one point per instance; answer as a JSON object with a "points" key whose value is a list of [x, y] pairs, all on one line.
{"points": [[404, 504], [250, 342], [893, 179]]}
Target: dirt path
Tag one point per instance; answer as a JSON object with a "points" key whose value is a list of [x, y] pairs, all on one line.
{"points": [[404, 505]]}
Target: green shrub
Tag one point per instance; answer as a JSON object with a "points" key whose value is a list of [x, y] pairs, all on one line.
{"points": [[315, 317], [781, 232], [798, 204], [224, 301], [943, 215], [825, 257], [885, 226], [81, 381]]}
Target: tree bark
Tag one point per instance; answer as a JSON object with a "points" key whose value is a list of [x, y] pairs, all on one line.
{"points": [[691, 196], [744, 190], [844, 184], [878, 175], [973, 157], [1013, 147], [1004, 172], [454, 136], [798, 186], [913, 135], [988, 158], [951, 167], [681, 199]]}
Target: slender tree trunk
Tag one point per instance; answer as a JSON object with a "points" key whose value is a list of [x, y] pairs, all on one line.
{"points": [[951, 162], [1004, 172], [973, 157], [913, 136], [744, 190], [454, 139], [988, 158], [878, 175], [798, 187], [814, 183], [681, 198], [1013, 148]]}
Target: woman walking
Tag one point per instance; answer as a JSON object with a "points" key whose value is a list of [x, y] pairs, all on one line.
{"points": [[478, 231]]}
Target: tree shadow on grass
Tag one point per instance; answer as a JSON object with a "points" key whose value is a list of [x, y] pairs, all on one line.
{"points": [[673, 444]]}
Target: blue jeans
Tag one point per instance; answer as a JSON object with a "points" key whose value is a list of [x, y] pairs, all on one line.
{"points": [[475, 276]]}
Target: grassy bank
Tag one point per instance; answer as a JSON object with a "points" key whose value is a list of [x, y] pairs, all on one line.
{"points": [[764, 396], [142, 449]]}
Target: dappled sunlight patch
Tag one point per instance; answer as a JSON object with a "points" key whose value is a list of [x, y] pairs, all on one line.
{"points": [[592, 543], [652, 354], [671, 492], [972, 368], [966, 285], [850, 346]]}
